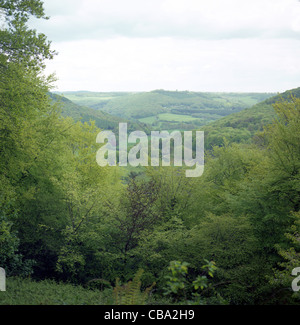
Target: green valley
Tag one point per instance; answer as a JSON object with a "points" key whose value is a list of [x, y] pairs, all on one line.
{"points": [[169, 110]]}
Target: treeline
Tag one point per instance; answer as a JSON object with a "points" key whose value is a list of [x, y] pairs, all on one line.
{"points": [[232, 235]]}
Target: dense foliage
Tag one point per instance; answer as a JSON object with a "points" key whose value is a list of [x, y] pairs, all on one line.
{"points": [[228, 237]]}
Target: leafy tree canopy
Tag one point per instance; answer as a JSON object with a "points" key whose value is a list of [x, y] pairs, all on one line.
{"points": [[18, 42]]}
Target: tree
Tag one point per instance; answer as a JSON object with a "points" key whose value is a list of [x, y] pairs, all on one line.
{"points": [[273, 190], [19, 43], [10, 259], [284, 145], [25, 110], [28, 121], [136, 213], [84, 189]]}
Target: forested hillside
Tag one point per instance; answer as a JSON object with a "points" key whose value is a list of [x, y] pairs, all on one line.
{"points": [[244, 125], [102, 120], [169, 110], [70, 228]]}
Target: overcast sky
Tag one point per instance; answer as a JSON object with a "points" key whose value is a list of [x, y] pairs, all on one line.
{"points": [[196, 45]]}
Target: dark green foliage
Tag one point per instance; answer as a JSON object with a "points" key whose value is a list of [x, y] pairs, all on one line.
{"points": [[10, 259], [181, 288]]}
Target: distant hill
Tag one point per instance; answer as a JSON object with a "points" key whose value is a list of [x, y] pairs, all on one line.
{"points": [[102, 120], [169, 110], [241, 126], [91, 99], [220, 115]]}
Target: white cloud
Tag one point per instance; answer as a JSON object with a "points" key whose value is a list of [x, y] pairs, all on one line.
{"points": [[127, 64], [171, 18], [215, 45]]}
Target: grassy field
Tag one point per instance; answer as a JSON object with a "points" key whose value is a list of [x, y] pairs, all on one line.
{"points": [[169, 117], [148, 120]]}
